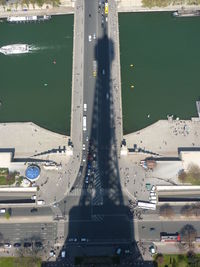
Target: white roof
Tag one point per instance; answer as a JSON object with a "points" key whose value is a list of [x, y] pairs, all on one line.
{"points": [[190, 157], [5, 159]]}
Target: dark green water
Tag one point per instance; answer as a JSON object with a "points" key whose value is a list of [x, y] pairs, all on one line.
{"points": [[165, 52], [23, 93]]}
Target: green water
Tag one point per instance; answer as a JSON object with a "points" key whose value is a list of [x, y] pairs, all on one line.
{"points": [[23, 93], [165, 52]]}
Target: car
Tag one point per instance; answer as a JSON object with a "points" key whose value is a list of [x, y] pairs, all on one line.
{"points": [[89, 172], [152, 250], [27, 244], [40, 202], [87, 138], [118, 251], [86, 180], [63, 253], [38, 244], [107, 96], [17, 245], [84, 159], [2, 210], [34, 210], [106, 19], [52, 253], [89, 165], [7, 245], [83, 239], [153, 188], [33, 197], [103, 72], [152, 229], [83, 146], [85, 107], [89, 38], [94, 36], [72, 239]]}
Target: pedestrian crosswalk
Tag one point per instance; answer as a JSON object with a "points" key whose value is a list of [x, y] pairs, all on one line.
{"points": [[97, 199], [97, 217]]}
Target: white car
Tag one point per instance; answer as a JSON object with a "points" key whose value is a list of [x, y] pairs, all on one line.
{"points": [[89, 38], [86, 180], [52, 253], [83, 146], [87, 138], [83, 239], [7, 245], [85, 107], [94, 36], [63, 253]]}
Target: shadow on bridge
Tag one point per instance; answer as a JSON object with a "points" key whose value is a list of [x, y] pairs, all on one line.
{"points": [[101, 225]]}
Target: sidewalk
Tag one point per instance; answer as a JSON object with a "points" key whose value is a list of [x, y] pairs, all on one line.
{"points": [[27, 219], [136, 6]]}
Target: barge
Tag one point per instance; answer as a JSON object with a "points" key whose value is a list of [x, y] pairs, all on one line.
{"points": [[21, 19]]}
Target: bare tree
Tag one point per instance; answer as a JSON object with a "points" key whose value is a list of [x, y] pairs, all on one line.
{"points": [[166, 211], [182, 176], [190, 210], [188, 234]]}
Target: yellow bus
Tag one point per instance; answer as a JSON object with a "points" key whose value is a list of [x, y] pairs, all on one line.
{"points": [[106, 8]]}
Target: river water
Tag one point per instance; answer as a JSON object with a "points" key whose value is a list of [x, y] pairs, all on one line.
{"points": [[37, 86], [165, 53]]}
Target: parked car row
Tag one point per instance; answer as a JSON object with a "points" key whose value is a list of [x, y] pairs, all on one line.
{"points": [[37, 244]]}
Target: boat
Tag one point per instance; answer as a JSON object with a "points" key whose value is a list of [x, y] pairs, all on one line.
{"points": [[15, 49], [186, 13], [20, 19]]}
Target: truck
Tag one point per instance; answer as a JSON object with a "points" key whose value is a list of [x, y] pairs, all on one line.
{"points": [[84, 123], [146, 205]]}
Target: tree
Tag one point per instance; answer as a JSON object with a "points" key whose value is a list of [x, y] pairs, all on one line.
{"points": [[166, 211], [188, 234], [159, 259], [190, 210], [182, 176]]}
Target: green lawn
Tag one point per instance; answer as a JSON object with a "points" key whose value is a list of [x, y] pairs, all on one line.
{"points": [[178, 261], [19, 262], [5, 181]]}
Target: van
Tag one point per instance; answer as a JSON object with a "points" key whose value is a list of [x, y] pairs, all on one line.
{"points": [[85, 107], [152, 194], [2, 210], [84, 123]]}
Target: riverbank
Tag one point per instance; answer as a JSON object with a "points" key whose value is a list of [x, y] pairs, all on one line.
{"points": [[136, 6], [65, 7], [165, 137]]}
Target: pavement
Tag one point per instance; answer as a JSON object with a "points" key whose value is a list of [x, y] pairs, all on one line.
{"points": [[16, 9], [137, 6]]}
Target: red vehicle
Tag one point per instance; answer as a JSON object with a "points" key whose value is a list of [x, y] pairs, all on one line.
{"points": [[164, 237]]}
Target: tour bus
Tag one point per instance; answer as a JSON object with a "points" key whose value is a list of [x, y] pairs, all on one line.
{"points": [[84, 123], [146, 205], [165, 237], [106, 8]]}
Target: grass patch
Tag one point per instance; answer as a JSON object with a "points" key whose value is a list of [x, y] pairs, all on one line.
{"points": [[20, 262], [177, 260]]}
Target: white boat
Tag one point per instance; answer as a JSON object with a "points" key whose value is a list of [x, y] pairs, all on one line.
{"points": [[15, 49], [18, 19]]}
